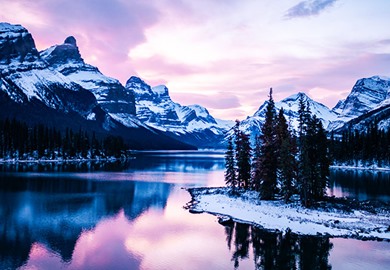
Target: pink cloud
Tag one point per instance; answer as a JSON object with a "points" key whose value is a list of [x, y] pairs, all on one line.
{"points": [[159, 66], [214, 101], [105, 29]]}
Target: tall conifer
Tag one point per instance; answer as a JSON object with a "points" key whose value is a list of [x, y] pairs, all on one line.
{"points": [[268, 158], [230, 166], [286, 156]]}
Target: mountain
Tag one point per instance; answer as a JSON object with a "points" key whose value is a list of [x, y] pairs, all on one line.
{"points": [[368, 102], [25, 77], [110, 94], [367, 94], [58, 89], [252, 125], [192, 124], [379, 116]]}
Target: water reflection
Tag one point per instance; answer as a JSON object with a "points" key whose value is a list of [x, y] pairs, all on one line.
{"points": [[54, 212], [130, 215], [174, 161], [276, 250], [361, 185]]}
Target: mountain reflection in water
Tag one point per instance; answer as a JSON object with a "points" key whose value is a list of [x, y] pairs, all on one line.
{"points": [[55, 212], [129, 215]]}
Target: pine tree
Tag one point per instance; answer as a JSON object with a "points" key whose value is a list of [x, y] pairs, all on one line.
{"points": [[318, 158], [256, 179], [243, 157], [303, 154], [286, 156], [268, 158], [230, 166]]}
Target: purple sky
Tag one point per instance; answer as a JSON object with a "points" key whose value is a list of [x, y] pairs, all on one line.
{"points": [[222, 54]]}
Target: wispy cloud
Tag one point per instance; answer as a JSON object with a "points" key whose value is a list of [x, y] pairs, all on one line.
{"points": [[308, 8]]}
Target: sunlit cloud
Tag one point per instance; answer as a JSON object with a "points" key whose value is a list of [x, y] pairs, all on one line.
{"points": [[224, 55]]}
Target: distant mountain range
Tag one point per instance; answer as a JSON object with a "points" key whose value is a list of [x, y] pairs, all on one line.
{"points": [[368, 102], [56, 87]]}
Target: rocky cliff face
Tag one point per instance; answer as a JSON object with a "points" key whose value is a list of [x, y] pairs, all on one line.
{"points": [[16, 43], [192, 124], [57, 88], [366, 95], [24, 76], [113, 98]]}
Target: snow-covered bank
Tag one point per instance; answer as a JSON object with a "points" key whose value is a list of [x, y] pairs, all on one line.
{"points": [[370, 168], [328, 219], [61, 160]]}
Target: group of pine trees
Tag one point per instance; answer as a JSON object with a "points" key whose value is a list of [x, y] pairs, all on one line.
{"points": [[20, 141], [281, 163], [362, 148]]}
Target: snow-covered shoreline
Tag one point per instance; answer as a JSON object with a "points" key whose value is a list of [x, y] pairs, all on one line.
{"points": [[278, 216], [106, 159], [363, 168]]}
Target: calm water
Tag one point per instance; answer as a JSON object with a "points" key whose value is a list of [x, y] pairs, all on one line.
{"points": [[131, 216]]}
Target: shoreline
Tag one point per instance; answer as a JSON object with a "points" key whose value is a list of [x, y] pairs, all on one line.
{"points": [[369, 168], [110, 159], [329, 219]]}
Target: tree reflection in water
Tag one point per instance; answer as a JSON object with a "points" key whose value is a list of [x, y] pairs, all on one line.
{"points": [[277, 250]]}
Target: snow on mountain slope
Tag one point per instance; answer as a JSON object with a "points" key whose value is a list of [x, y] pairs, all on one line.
{"points": [[109, 92], [193, 123], [24, 76], [368, 102], [366, 95], [252, 125]]}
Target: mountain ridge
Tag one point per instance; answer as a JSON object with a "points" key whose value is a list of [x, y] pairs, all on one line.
{"points": [[58, 78], [33, 90]]}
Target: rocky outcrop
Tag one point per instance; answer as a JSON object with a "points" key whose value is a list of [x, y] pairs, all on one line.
{"points": [[192, 124]]}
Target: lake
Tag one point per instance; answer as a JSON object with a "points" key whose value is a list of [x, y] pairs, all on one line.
{"points": [[131, 216]]}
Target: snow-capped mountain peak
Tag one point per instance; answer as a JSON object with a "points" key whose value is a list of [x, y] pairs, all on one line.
{"points": [[290, 106], [16, 43], [366, 94], [68, 52], [109, 92], [193, 124]]}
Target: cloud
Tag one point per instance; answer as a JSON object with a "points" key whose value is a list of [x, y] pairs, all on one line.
{"points": [[105, 29], [309, 8], [214, 101], [159, 66]]}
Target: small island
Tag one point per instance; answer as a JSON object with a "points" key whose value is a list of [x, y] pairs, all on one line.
{"points": [[280, 185], [332, 217]]}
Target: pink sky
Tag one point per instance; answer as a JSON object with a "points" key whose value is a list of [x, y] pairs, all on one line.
{"points": [[221, 54]]}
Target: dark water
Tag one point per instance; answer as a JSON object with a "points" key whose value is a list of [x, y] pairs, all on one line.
{"points": [[131, 216]]}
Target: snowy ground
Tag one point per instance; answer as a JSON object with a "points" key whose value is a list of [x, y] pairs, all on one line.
{"points": [[360, 222], [361, 167]]}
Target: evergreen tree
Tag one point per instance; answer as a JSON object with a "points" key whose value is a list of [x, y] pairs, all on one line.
{"points": [[286, 156], [303, 154], [230, 172], [257, 165], [268, 155], [242, 157], [318, 158]]}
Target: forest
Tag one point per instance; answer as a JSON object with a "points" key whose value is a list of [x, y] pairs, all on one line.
{"points": [[284, 162], [281, 163], [359, 149], [22, 142]]}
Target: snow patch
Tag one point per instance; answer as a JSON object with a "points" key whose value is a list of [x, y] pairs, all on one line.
{"points": [[276, 215]]}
